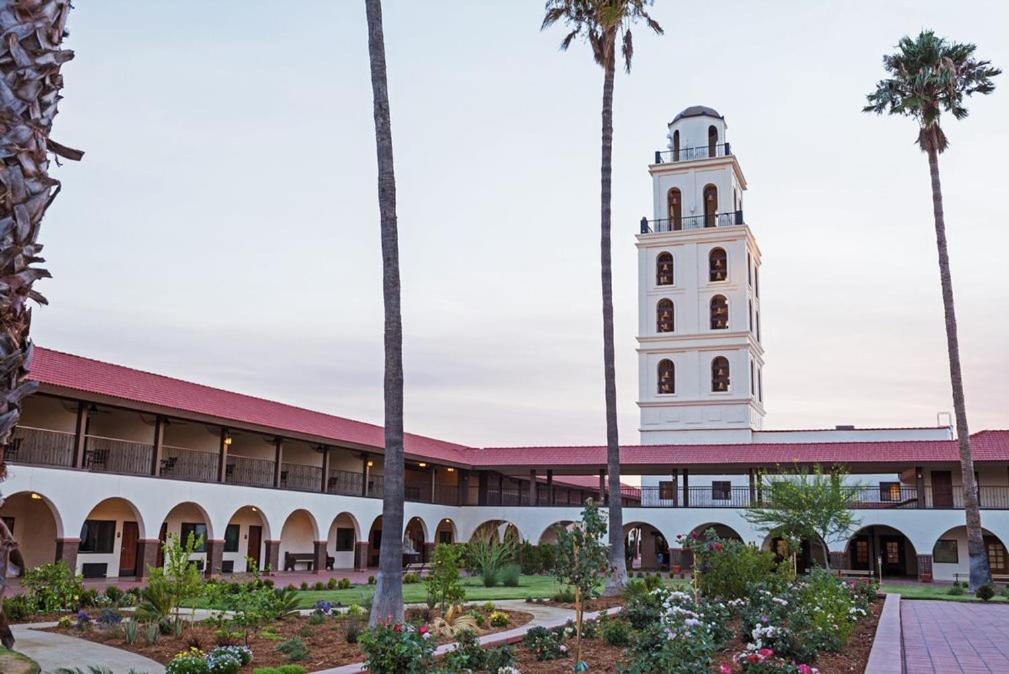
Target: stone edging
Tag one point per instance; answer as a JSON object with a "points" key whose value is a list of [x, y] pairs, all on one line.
{"points": [[887, 654]]}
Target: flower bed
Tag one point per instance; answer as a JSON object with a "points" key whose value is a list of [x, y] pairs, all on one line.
{"points": [[309, 641]]}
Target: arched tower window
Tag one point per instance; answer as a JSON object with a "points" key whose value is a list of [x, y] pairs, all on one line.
{"points": [[712, 140], [719, 313], [719, 374], [676, 145], [664, 316], [667, 376], [664, 269], [675, 200], [710, 205], [718, 265]]}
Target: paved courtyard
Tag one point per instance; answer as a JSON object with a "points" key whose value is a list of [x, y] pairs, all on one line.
{"points": [[943, 636]]}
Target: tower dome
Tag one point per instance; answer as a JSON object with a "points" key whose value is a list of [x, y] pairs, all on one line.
{"points": [[697, 111], [695, 130]]}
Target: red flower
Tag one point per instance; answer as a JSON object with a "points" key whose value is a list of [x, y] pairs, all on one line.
{"points": [[717, 547], [397, 627], [753, 657], [423, 629]]}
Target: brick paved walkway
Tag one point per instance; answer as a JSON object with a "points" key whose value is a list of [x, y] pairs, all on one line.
{"points": [[944, 636]]}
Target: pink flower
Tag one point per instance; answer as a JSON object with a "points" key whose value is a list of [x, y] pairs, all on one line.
{"points": [[806, 669], [423, 629], [725, 669], [765, 652], [397, 627]]}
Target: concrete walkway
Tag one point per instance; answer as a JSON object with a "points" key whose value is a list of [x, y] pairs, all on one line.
{"points": [[53, 651], [543, 616], [944, 637]]}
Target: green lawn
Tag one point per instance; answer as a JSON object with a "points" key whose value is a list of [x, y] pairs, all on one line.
{"points": [[416, 593], [929, 591]]}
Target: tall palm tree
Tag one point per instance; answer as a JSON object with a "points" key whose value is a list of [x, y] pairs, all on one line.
{"points": [[929, 75], [388, 604], [604, 24], [30, 83]]}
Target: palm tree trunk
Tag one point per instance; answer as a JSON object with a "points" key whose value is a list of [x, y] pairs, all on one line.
{"points": [[388, 601], [30, 82], [980, 572], [618, 563]]}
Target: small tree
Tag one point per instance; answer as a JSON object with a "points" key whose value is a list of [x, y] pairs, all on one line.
{"points": [[807, 505], [582, 563], [444, 585]]}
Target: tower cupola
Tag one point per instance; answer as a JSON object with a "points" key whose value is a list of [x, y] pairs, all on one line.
{"points": [[695, 133]]}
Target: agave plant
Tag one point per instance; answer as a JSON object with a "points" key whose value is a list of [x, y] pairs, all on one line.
{"points": [[488, 556], [454, 622]]}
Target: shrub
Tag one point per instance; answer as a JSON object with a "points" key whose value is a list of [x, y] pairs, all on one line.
{"points": [[53, 587], [152, 634], [343, 584], [487, 555], [114, 595], [371, 580], [283, 669], [829, 602], [565, 595], [129, 628], [510, 574], [728, 571], [957, 588], [294, 649], [490, 576], [652, 582], [677, 640], [356, 611], [499, 619], [304, 585], [316, 618], [530, 559], [332, 584], [985, 592], [546, 644], [352, 631], [109, 618], [617, 632], [398, 649], [19, 608], [191, 661], [323, 606], [319, 586], [410, 578], [228, 659]]}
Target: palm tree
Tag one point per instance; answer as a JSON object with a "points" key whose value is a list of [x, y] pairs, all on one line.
{"points": [[30, 61], [929, 75], [388, 603], [604, 23]]}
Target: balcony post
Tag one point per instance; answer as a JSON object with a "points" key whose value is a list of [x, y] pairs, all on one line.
{"points": [[500, 489], [159, 446], [602, 485], [481, 492], [222, 457], [365, 474], [80, 434], [753, 485], [533, 495], [919, 486], [278, 461], [463, 487], [434, 484], [551, 496], [686, 488], [325, 469]]}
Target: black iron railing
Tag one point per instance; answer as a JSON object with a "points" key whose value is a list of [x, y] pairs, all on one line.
{"points": [[692, 222], [38, 446], [346, 483], [112, 455], [250, 472], [181, 463], [691, 153], [300, 478]]}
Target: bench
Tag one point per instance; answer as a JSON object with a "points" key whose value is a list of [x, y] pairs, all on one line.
{"points": [[854, 573], [418, 567], [292, 559]]}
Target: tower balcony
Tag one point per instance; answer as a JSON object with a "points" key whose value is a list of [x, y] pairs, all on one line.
{"points": [[691, 153], [692, 222]]}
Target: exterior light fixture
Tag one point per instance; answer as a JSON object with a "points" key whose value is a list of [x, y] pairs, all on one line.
{"points": [[450, 469], [422, 464], [36, 497], [227, 441], [255, 509], [370, 464]]}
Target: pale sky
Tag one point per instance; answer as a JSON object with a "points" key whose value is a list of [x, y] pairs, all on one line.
{"points": [[223, 226]]}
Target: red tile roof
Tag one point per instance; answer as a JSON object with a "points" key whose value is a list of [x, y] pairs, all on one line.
{"points": [[67, 371]]}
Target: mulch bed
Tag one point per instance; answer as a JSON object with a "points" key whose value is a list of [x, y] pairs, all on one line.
{"points": [[600, 656], [326, 643], [597, 604]]}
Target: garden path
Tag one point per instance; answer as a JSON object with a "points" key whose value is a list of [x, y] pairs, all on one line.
{"points": [[945, 637], [52, 650]]}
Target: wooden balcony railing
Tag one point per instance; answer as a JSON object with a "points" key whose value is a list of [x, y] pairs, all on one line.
{"points": [[42, 447]]}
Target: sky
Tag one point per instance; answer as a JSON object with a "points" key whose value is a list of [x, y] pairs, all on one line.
{"points": [[223, 225]]}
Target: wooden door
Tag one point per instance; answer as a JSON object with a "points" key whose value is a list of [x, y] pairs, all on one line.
{"points": [[892, 550], [128, 549], [942, 489], [255, 545], [996, 555], [860, 553]]}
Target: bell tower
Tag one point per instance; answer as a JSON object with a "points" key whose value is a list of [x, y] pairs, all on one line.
{"points": [[699, 352]]}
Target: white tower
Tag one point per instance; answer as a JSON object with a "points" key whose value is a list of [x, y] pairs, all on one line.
{"points": [[699, 352]]}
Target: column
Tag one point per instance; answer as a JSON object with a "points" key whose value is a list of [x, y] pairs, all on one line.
{"points": [[147, 555], [602, 485], [924, 568], [365, 473], [686, 488], [66, 551], [278, 461], [434, 484], [427, 553], [463, 487], [159, 447], [838, 560], [919, 485], [215, 557], [361, 555], [319, 563], [753, 485], [533, 495], [273, 555], [551, 498], [222, 456], [481, 494], [675, 474], [80, 434], [325, 469], [500, 490]]}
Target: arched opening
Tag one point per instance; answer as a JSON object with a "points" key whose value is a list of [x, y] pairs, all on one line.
{"points": [[883, 552], [374, 542], [245, 541], [414, 538], [723, 531], [665, 316], [676, 145], [549, 535], [111, 540], [712, 141], [446, 533], [809, 554], [675, 202], [498, 530], [183, 520], [710, 205], [297, 540], [664, 269], [720, 374], [667, 377], [950, 558], [719, 313], [342, 540], [35, 524], [645, 547], [718, 265]]}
